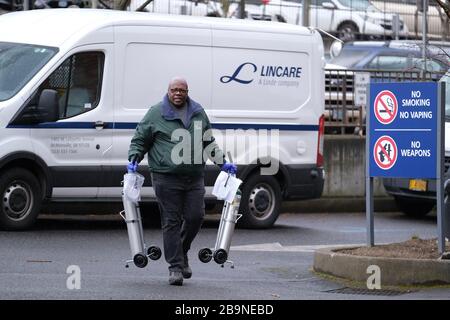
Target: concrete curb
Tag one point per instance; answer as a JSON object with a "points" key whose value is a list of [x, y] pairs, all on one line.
{"points": [[394, 271]]}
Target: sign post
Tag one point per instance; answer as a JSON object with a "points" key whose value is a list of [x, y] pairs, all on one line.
{"points": [[405, 139], [369, 180], [361, 80], [440, 169]]}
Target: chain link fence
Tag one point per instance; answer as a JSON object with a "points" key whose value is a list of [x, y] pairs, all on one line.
{"points": [[341, 114], [347, 19]]}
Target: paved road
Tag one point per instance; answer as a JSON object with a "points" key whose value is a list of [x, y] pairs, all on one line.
{"points": [[270, 264]]}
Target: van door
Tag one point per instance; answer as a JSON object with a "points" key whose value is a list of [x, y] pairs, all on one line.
{"points": [[147, 58], [76, 146]]}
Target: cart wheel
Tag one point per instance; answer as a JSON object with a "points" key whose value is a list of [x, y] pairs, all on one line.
{"points": [[154, 253], [220, 256], [205, 255], [140, 260]]}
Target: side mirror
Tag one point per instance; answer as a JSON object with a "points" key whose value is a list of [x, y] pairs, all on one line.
{"points": [[38, 109], [48, 106], [335, 48], [328, 5]]}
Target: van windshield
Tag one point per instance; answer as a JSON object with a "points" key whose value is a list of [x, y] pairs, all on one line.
{"points": [[18, 64]]}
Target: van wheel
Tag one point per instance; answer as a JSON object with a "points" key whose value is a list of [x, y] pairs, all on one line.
{"points": [[260, 202], [21, 199], [414, 208]]}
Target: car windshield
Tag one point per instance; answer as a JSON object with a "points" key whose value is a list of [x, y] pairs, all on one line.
{"points": [[349, 58], [363, 5], [18, 64]]}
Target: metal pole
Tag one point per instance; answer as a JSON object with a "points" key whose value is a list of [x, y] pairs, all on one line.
{"points": [[396, 25], [369, 179], [440, 166], [305, 13], [424, 37], [242, 9]]}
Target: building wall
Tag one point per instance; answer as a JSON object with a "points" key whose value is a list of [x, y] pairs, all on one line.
{"points": [[345, 167]]}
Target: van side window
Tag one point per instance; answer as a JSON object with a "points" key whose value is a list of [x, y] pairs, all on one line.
{"points": [[78, 81]]}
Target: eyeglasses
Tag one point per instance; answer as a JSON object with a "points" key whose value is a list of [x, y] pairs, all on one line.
{"points": [[182, 91]]}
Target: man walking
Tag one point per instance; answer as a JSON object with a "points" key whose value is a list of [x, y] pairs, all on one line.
{"points": [[169, 133]]}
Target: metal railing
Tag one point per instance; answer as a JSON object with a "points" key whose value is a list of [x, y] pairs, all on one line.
{"points": [[325, 15], [341, 114], [409, 14]]}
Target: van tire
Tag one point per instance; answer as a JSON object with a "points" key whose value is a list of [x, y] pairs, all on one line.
{"points": [[414, 208], [21, 199], [260, 202]]}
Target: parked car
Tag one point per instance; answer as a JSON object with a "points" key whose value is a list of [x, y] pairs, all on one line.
{"points": [[437, 21], [183, 7], [47, 4], [348, 19], [10, 5], [393, 55], [387, 61], [254, 12], [417, 197], [396, 61]]}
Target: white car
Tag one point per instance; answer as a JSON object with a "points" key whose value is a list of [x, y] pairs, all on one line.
{"points": [[254, 12], [346, 18], [183, 7], [438, 24]]}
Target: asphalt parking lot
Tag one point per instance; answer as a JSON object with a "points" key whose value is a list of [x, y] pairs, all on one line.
{"points": [[272, 264]]}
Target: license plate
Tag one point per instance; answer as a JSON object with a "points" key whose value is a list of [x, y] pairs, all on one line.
{"points": [[418, 185]]}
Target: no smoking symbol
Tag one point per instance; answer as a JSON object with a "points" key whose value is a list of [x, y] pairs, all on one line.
{"points": [[385, 107], [385, 152]]}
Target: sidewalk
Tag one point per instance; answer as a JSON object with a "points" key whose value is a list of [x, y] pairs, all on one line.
{"points": [[339, 204]]}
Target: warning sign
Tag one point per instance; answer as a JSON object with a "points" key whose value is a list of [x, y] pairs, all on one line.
{"points": [[385, 107], [385, 152], [403, 130]]}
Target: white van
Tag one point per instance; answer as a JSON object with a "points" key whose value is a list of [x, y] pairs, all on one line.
{"points": [[74, 83]]}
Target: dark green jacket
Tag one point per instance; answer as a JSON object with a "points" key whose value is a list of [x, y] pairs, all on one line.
{"points": [[172, 147]]}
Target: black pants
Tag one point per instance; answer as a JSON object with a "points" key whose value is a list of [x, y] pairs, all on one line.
{"points": [[182, 207]]}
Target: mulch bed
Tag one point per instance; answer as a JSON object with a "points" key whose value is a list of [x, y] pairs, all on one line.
{"points": [[411, 249]]}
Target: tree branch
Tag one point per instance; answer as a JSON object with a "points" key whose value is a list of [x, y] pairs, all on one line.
{"points": [[445, 5], [142, 7]]}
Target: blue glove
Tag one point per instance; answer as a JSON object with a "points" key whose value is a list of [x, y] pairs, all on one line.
{"points": [[132, 167], [229, 168]]}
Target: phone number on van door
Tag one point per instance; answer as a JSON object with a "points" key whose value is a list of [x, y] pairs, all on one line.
{"points": [[69, 145]]}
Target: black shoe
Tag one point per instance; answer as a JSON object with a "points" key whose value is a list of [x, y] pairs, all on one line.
{"points": [[187, 272], [175, 278]]}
